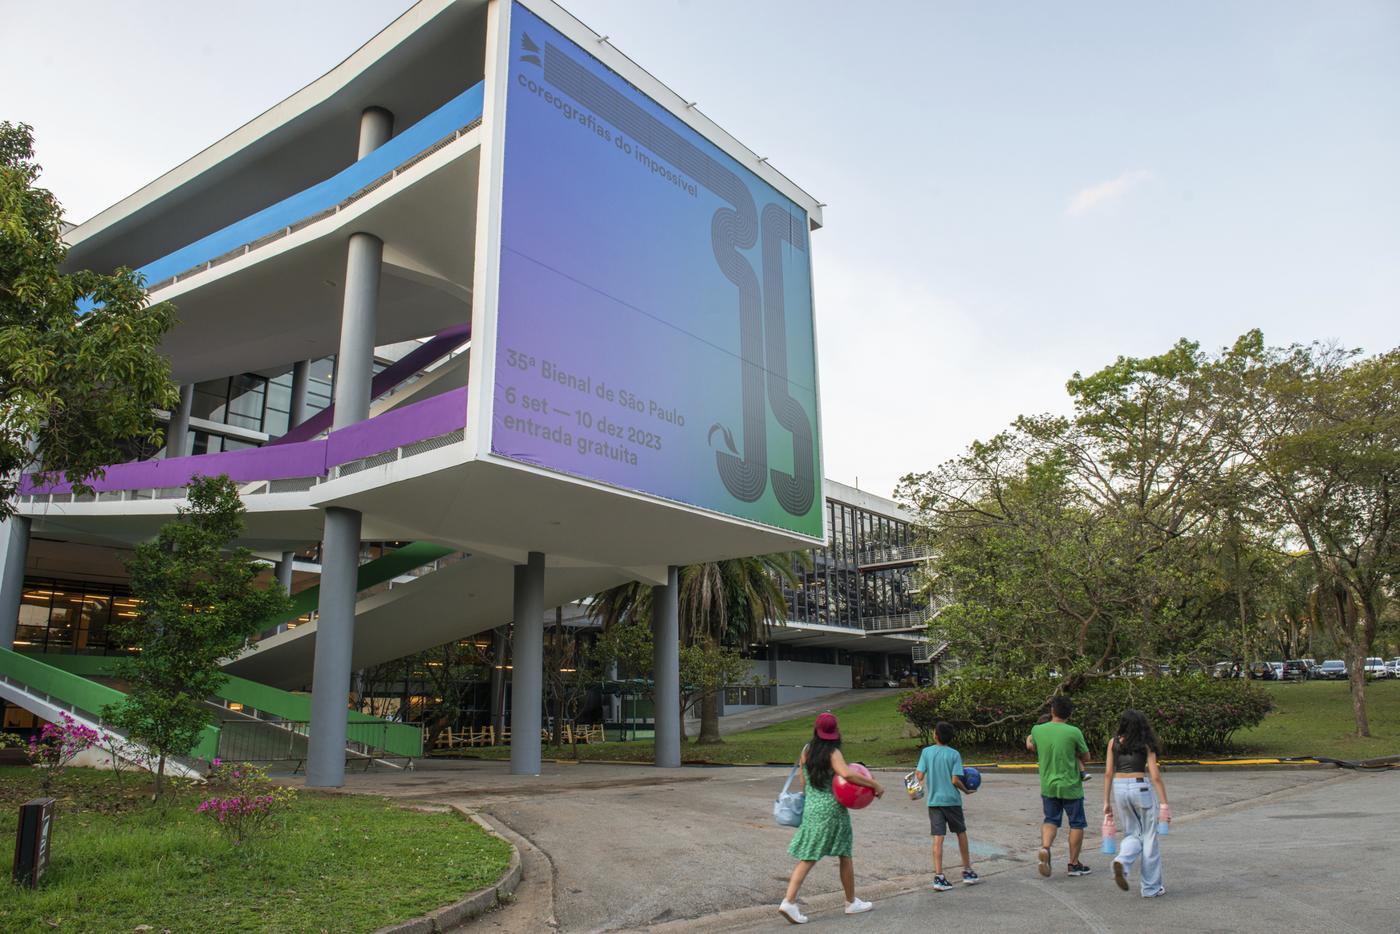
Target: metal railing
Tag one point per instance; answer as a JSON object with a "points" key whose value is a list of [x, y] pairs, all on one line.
{"points": [[918, 619], [749, 695], [253, 487], [895, 554], [249, 739], [925, 652]]}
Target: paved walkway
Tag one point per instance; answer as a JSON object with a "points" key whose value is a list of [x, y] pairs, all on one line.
{"points": [[695, 849]]}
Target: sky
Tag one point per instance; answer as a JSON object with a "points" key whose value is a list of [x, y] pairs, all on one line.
{"points": [[1015, 191]]}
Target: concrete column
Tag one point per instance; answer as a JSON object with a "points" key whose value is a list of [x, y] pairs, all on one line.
{"points": [[773, 670], [335, 633], [376, 126], [527, 673], [284, 570], [666, 664], [301, 373], [14, 538], [340, 545], [885, 664], [355, 363], [178, 431], [498, 678], [614, 714]]}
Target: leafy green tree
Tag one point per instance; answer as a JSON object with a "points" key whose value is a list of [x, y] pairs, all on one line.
{"points": [[1091, 544], [1319, 427], [73, 389], [199, 603]]}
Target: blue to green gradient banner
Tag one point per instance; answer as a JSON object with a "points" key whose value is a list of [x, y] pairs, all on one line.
{"points": [[654, 323]]}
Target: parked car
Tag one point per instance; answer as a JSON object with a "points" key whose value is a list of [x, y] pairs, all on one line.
{"points": [[1226, 670], [877, 681], [1261, 671], [1297, 669], [1392, 667], [1375, 667], [1334, 669]]}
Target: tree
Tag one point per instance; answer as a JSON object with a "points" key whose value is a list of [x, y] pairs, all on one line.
{"points": [[730, 605], [199, 602], [1090, 544], [74, 389], [722, 604], [1319, 427]]}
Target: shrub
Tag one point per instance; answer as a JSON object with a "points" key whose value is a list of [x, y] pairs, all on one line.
{"points": [[1191, 713], [56, 746], [246, 801]]}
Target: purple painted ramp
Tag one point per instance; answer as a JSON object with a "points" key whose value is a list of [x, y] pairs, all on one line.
{"points": [[417, 421], [430, 351]]}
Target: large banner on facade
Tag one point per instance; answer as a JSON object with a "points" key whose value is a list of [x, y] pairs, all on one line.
{"points": [[654, 322]]}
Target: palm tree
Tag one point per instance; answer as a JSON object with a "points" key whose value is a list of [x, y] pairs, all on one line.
{"points": [[722, 603]]}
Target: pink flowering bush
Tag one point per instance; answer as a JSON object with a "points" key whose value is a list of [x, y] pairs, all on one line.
{"points": [[245, 801], [56, 746]]}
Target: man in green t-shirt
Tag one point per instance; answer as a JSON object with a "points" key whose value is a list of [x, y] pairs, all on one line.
{"points": [[1061, 752]]}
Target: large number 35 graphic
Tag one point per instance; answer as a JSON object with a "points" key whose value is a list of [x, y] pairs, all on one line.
{"points": [[763, 348], [762, 314]]}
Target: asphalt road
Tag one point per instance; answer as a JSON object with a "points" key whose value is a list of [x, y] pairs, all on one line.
{"points": [[696, 850], [1321, 857]]}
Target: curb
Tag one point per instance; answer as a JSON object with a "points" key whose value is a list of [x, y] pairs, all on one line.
{"points": [[450, 917]]}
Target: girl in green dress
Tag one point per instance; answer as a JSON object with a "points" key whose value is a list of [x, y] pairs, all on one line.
{"points": [[826, 825]]}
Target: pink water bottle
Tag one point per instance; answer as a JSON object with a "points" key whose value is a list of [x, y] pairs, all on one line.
{"points": [[1110, 836]]}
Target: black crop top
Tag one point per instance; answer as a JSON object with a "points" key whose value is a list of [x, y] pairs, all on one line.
{"points": [[1129, 761]]}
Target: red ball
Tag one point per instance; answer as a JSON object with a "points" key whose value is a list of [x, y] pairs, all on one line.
{"points": [[850, 794]]}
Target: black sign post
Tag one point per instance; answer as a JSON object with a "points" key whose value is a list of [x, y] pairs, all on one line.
{"points": [[32, 841]]}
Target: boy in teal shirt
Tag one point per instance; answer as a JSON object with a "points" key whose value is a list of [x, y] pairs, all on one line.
{"points": [[940, 771]]}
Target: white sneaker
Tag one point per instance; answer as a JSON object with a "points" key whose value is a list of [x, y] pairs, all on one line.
{"points": [[791, 912], [855, 906]]}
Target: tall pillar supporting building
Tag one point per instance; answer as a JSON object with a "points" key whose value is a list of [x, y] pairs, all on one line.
{"points": [[335, 638], [14, 538], [301, 373], [527, 673], [179, 428], [666, 660], [340, 550], [499, 655]]}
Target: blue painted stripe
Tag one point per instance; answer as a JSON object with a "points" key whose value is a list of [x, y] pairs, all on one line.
{"points": [[456, 113]]}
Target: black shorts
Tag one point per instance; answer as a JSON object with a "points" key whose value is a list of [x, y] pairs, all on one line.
{"points": [[943, 819]]}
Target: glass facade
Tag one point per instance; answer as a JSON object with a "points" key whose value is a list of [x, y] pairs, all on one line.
{"points": [[835, 591], [69, 617], [257, 403]]}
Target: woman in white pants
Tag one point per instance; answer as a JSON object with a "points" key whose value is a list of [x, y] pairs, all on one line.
{"points": [[1134, 792]]}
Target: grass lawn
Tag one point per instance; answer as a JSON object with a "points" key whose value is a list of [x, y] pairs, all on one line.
{"points": [[872, 732], [337, 863], [1310, 719], [1314, 718]]}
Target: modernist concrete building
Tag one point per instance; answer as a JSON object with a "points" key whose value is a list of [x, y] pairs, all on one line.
{"points": [[487, 292]]}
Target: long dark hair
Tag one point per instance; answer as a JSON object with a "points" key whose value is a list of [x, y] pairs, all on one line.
{"points": [[1135, 734], [819, 751]]}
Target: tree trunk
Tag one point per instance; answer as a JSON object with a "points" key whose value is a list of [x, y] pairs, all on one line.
{"points": [[160, 776], [684, 738], [709, 720], [1356, 668]]}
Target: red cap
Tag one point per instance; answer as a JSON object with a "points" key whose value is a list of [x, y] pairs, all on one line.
{"points": [[826, 726]]}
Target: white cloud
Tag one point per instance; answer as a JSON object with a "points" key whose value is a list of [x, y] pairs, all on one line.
{"points": [[1106, 193]]}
